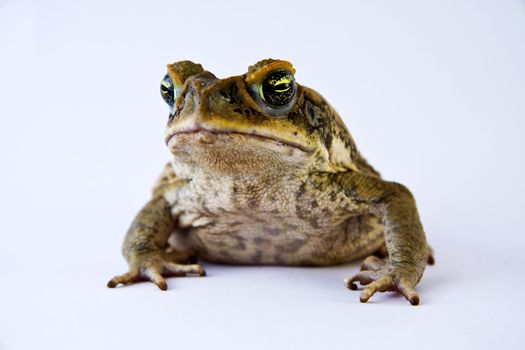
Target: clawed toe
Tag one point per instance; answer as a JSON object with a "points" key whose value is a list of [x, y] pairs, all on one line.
{"points": [[127, 278], [381, 280], [184, 270], [408, 292], [155, 273], [382, 285], [431, 260], [155, 276], [363, 277]]}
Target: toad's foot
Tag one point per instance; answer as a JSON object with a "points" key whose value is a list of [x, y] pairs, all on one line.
{"points": [[379, 276], [154, 269]]}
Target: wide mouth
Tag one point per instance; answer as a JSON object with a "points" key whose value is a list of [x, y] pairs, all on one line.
{"points": [[199, 129]]}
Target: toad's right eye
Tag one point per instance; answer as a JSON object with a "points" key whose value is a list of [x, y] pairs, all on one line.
{"points": [[167, 90], [278, 89]]}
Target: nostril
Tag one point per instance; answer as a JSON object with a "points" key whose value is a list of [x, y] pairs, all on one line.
{"points": [[224, 95], [229, 93]]}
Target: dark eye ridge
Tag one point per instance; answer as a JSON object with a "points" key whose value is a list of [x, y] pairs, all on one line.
{"points": [[278, 88], [167, 90]]}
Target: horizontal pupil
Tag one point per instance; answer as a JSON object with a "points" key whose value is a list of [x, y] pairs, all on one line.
{"points": [[281, 87]]}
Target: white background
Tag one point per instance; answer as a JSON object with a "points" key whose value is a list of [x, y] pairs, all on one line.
{"points": [[433, 92]]}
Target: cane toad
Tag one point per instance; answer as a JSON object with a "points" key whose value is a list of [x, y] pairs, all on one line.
{"points": [[264, 171]]}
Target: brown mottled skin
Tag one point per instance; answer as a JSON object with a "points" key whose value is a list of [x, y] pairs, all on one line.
{"points": [[250, 183]]}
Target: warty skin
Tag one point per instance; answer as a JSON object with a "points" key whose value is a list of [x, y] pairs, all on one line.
{"points": [[254, 182]]}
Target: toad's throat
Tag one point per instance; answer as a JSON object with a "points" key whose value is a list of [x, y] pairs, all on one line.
{"points": [[199, 129]]}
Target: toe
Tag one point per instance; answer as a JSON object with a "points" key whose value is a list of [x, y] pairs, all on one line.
{"points": [[408, 292], [112, 283], [155, 276], [128, 277], [367, 293], [383, 284], [363, 277], [199, 270], [430, 259], [184, 270]]}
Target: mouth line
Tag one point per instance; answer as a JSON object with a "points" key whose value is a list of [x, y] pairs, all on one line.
{"points": [[198, 128]]}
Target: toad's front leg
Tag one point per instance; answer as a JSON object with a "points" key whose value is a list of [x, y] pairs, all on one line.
{"points": [[404, 236], [145, 248]]}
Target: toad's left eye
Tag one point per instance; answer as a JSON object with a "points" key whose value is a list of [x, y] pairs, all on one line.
{"points": [[278, 88], [167, 90]]}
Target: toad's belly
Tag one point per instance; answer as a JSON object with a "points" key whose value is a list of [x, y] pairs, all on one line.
{"points": [[239, 239]]}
